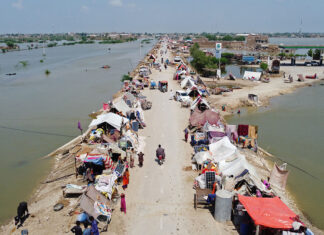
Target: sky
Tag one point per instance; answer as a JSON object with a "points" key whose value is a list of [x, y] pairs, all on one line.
{"points": [[253, 16]]}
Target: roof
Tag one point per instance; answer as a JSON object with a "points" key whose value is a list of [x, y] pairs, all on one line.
{"points": [[111, 118], [268, 212]]}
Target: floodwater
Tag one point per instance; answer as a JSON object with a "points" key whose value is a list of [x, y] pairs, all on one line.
{"points": [[40, 113], [291, 128]]}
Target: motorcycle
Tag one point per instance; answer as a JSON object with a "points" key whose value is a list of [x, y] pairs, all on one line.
{"points": [[160, 160]]}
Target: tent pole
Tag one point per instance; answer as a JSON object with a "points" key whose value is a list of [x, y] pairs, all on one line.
{"points": [[76, 172], [257, 230]]}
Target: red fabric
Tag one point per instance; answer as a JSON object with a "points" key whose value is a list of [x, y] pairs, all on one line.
{"points": [[243, 130], [198, 118], [268, 212], [105, 106]]}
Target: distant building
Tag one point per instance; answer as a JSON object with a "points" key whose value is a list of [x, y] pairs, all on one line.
{"points": [[256, 41]]}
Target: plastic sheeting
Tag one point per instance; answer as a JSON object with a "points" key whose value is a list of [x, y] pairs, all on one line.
{"points": [[222, 149], [198, 118], [187, 82], [111, 118], [121, 106], [233, 166], [252, 75], [201, 157], [268, 212], [278, 177]]}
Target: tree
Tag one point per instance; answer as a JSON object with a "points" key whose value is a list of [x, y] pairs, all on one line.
{"points": [[310, 52], [317, 54], [10, 44], [264, 66]]}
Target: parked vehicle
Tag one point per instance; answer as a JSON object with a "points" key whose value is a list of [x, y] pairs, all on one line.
{"points": [[181, 96], [163, 86]]}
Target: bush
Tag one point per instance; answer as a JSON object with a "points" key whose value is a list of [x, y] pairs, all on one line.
{"points": [[47, 72], [264, 66], [126, 77]]}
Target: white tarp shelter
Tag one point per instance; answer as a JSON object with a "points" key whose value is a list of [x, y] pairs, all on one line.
{"points": [[254, 76], [222, 149], [187, 82], [121, 106], [111, 118], [202, 156]]}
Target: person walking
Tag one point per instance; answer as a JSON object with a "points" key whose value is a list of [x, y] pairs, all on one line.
{"points": [[125, 179], [94, 226], [123, 203], [186, 132], [132, 160], [140, 159]]}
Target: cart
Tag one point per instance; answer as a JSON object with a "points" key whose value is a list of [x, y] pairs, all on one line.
{"points": [[199, 196], [163, 86]]}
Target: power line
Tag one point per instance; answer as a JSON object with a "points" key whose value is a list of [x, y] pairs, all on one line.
{"points": [[36, 132]]}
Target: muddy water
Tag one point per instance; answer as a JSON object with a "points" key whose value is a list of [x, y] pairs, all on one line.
{"points": [[39, 113], [292, 129]]}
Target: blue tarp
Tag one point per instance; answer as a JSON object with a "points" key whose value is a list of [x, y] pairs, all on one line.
{"points": [[98, 161]]}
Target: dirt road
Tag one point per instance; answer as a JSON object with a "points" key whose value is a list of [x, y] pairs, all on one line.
{"points": [[160, 198]]}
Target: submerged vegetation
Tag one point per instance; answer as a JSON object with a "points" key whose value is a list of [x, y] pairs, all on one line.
{"points": [[47, 72], [126, 77], [24, 63]]}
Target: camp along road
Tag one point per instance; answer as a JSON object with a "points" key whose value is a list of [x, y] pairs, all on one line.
{"points": [[160, 198]]}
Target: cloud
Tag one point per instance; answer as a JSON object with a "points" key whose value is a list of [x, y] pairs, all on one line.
{"points": [[116, 3], [84, 8], [18, 5]]}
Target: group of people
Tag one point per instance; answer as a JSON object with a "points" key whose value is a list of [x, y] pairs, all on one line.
{"points": [[93, 230]]}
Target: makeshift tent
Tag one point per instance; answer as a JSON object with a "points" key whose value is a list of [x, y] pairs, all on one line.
{"points": [[254, 76], [111, 118], [198, 118], [222, 149], [278, 177], [268, 212], [121, 106], [128, 97], [187, 82], [96, 158], [233, 165], [194, 92], [199, 102], [202, 156]]}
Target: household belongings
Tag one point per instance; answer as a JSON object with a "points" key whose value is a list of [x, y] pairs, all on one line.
{"points": [[96, 205]]}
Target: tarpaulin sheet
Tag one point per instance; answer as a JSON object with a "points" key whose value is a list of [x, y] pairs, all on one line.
{"points": [[268, 212], [111, 118], [222, 149], [198, 118]]}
